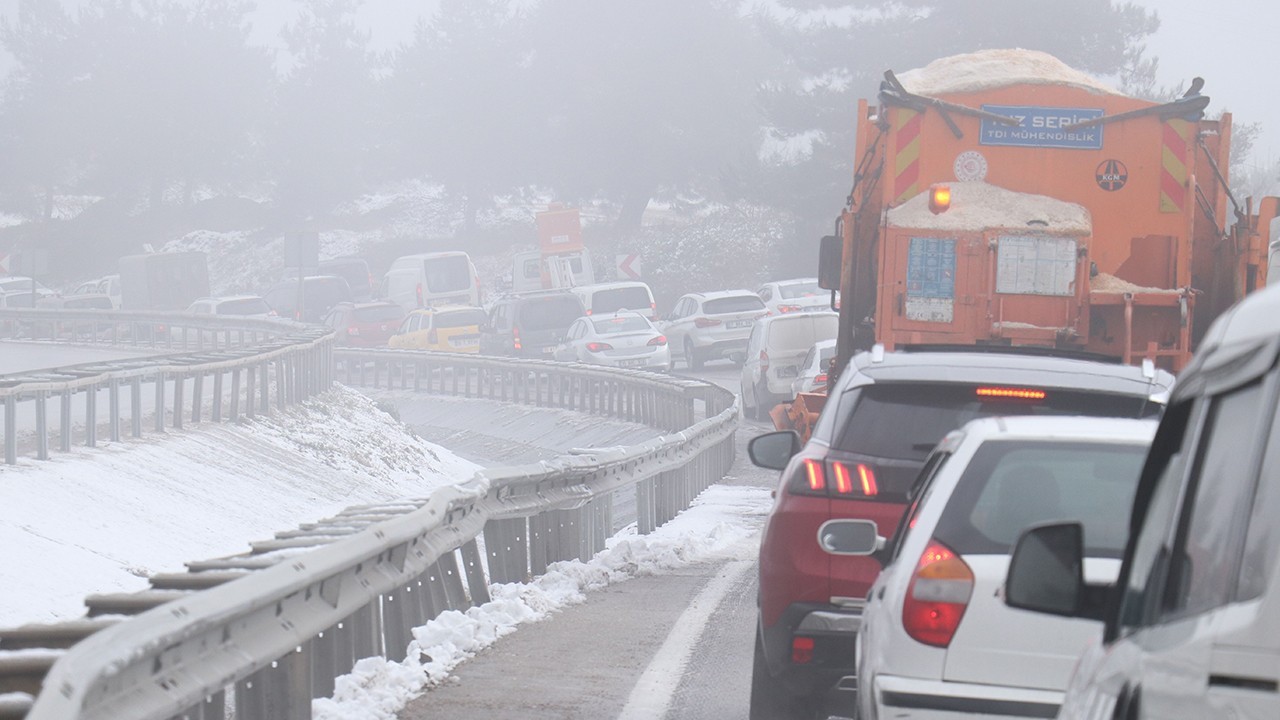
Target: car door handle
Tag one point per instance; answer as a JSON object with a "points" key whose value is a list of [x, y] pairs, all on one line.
{"points": [[880, 593]]}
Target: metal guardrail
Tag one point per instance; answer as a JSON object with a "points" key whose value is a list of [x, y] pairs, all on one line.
{"points": [[210, 364], [258, 636]]}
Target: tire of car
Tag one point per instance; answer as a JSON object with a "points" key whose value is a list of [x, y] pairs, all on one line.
{"points": [[769, 699], [763, 403], [691, 359]]}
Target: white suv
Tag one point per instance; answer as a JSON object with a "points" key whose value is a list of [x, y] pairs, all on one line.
{"points": [[1191, 629], [705, 326], [936, 638]]}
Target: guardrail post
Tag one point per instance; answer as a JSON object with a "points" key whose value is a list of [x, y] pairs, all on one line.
{"points": [[288, 686], [507, 544], [42, 424], [477, 586], [217, 396], [113, 401], [177, 401], [135, 402], [251, 697], [282, 383], [235, 395], [91, 416], [251, 374], [64, 418], [197, 398], [265, 395], [394, 624], [160, 407], [328, 660], [11, 430]]}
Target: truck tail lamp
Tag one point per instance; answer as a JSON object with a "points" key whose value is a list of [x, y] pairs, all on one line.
{"points": [[937, 596], [939, 199]]}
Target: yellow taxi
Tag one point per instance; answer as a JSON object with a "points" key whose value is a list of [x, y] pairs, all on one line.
{"points": [[448, 328]]}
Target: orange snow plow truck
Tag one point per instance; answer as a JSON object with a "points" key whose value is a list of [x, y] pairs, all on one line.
{"points": [[1004, 198]]}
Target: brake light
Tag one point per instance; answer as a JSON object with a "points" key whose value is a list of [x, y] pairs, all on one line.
{"points": [[704, 322], [588, 311], [788, 308], [764, 361], [867, 478], [820, 379], [419, 294], [1010, 393], [598, 346], [844, 483], [353, 330], [515, 337], [801, 650], [815, 475], [846, 477], [660, 340], [937, 596]]}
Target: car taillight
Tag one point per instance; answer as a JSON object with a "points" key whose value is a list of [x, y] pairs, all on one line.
{"points": [[788, 308], [588, 311], [801, 650], [704, 322], [353, 330], [1010, 393], [835, 478], [764, 361], [937, 596], [515, 337], [598, 346], [419, 294], [660, 340], [820, 379]]}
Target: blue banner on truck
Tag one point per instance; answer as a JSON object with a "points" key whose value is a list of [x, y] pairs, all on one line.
{"points": [[1042, 127]]}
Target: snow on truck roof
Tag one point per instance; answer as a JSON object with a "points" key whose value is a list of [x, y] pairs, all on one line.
{"points": [[990, 69], [977, 206]]}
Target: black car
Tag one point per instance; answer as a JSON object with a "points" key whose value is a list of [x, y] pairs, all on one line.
{"points": [[319, 295], [530, 325]]}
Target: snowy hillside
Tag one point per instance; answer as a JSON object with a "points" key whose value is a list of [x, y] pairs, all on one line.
{"points": [[102, 520]]}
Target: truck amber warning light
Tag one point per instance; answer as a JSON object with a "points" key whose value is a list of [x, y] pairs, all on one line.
{"points": [[939, 199], [1013, 393]]}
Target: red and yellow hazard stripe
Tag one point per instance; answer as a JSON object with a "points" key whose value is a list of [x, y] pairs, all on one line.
{"points": [[906, 153], [1175, 158]]}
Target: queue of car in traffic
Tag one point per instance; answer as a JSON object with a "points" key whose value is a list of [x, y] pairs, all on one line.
{"points": [[999, 533]]}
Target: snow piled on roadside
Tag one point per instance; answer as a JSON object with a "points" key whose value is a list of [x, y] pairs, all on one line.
{"points": [[721, 525], [103, 520]]}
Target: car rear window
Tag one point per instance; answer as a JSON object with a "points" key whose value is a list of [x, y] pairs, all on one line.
{"points": [[904, 421], [1010, 485], [615, 299], [245, 306], [736, 304], [799, 290], [549, 313], [798, 332], [447, 274], [379, 313], [621, 324], [459, 318]]}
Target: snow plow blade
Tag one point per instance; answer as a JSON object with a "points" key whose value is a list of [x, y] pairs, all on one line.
{"points": [[799, 415]]}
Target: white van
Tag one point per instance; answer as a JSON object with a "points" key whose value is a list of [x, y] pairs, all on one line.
{"points": [[1191, 629], [430, 279], [607, 298]]}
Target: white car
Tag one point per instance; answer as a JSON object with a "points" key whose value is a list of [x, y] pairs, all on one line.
{"points": [[814, 368], [777, 345], [239, 305], [937, 640], [608, 298], [791, 296], [624, 340], [18, 284], [705, 326]]}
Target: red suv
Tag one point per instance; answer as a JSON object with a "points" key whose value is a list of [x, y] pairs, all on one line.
{"points": [[868, 446]]}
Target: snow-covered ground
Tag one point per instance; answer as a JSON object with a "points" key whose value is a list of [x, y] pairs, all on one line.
{"points": [[102, 520], [722, 525]]}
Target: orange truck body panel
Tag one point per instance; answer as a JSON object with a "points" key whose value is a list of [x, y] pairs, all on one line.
{"points": [[1160, 253]]}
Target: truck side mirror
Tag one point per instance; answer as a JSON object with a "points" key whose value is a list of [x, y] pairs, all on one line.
{"points": [[1046, 574], [830, 258]]}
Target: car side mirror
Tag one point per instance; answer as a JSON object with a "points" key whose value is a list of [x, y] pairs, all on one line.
{"points": [[1046, 574], [774, 450], [738, 357], [830, 262], [850, 537]]}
